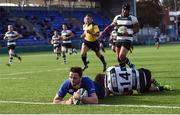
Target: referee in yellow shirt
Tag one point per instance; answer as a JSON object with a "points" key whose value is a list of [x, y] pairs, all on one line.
{"points": [[91, 32]]}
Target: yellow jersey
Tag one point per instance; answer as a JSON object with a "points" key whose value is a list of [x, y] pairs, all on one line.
{"points": [[92, 28]]}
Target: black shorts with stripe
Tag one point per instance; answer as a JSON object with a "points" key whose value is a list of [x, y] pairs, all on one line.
{"points": [[67, 45], [157, 40], [92, 45], [11, 47], [125, 43], [144, 79]]}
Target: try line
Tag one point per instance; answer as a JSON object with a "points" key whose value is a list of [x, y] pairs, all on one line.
{"points": [[103, 105]]}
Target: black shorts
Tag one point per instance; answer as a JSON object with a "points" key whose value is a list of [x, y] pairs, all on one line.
{"points": [[11, 47], [92, 45], [144, 79], [57, 46], [157, 40], [67, 45], [126, 43]]}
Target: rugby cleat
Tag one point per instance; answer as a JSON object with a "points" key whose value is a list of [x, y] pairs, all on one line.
{"points": [[167, 88], [85, 67], [8, 64], [19, 58]]}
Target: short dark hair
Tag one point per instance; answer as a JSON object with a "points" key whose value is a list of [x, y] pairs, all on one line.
{"points": [[89, 15], [126, 7], [77, 70], [100, 79]]}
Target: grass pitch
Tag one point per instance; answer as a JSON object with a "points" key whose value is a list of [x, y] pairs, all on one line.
{"points": [[29, 87]]}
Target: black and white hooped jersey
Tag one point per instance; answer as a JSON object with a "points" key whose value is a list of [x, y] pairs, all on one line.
{"points": [[66, 33], [11, 37], [118, 80], [128, 22], [56, 40]]}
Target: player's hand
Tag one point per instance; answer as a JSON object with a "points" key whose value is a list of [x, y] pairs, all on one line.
{"points": [[76, 95], [82, 35], [125, 34], [88, 31]]}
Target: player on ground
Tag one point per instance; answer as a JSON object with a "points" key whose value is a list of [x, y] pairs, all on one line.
{"points": [[127, 26], [76, 81], [11, 36], [120, 81], [56, 42], [91, 32], [67, 36]]}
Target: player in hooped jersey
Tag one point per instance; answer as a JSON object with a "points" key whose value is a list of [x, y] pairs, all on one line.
{"points": [[127, 25], [120, 81], [67, 36], [56, 42], [11, 36]]}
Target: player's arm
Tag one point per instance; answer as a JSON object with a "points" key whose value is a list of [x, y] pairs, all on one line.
{"points": [[92, 99], [52, 41], [135, 25], [59, 100], [95, 31], [136, 28], [108, 29], [71, 35], [83, 35], [5, 37]]}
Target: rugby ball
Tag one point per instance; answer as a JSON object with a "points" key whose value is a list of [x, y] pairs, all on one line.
{"points": [[83, 93], [122, 29]]}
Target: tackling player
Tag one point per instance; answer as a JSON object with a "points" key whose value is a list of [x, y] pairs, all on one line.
{"points": [[11, 36], [120, 81]]}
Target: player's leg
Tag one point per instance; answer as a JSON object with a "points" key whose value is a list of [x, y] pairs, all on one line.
{"points": [[64, 54], [11, 52], [58, 52], [96, 48], [84, 50], [14, 54], [102, 47], [101, 57]]}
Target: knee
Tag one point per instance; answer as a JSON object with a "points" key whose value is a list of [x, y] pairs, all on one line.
{"points": [[83, 54]]}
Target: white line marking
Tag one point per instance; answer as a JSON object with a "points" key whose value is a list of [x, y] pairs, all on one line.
{"points": [[103, 105], [30, 72], [21, 78], [28, 103], [144, 106]]}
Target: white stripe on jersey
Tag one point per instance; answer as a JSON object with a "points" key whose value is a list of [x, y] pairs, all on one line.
{"points": [[124, 22]]}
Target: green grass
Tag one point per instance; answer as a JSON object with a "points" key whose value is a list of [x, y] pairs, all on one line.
{"points": [[40, 76]]}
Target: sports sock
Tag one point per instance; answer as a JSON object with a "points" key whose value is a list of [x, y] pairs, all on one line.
{"points": [[84, 59]]}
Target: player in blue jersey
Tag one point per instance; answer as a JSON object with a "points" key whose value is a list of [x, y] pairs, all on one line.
{"points": [[76, 81]]}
